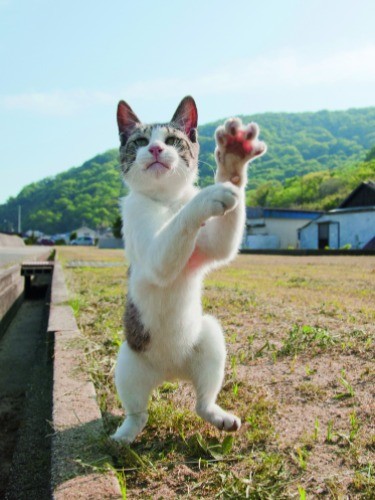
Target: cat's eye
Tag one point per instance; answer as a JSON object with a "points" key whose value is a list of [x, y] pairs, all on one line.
{"points": [[141, 141], [170, 141]]}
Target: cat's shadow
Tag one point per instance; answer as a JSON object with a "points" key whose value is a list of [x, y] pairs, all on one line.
{"points": [[79, 451], [88, 448], [148, 450]]}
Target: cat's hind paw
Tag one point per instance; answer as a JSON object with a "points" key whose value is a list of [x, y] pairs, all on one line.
{"points": [[221, 419], [228, 423], [130, 428], [122, 438]]}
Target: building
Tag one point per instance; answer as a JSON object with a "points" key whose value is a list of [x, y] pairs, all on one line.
{"points": [[351, 225], [110, 242], [85, 231], [275, 228], [362, 196]]}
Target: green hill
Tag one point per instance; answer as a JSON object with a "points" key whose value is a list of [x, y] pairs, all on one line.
{"points": [[322, 190], [314, 160], [300, 143], [88, 194]]}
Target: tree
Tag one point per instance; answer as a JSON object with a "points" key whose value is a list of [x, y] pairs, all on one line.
{"points": [[371, 154], [117, 226]]}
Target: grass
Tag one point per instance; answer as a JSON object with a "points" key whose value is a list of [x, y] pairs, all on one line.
{"points": [[305, 337], [300, 339]]}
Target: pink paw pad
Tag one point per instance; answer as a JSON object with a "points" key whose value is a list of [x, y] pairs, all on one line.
{"points": [[238, 144], [238, 140]]}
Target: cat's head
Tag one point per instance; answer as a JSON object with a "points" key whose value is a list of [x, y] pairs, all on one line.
{"points": [[160, 157]]}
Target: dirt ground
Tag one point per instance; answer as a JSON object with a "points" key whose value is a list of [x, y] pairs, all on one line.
{"points": [[300, 373]]}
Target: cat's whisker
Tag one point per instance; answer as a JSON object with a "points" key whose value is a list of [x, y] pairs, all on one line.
{"points": [[183, 174], [213, 170]]}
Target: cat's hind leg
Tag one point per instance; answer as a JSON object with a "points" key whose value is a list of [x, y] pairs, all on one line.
{"points": [[134, 380], [206, 370]]}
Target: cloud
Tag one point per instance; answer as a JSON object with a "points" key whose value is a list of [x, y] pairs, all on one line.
{"points": [[285, 69], [56, 102]]}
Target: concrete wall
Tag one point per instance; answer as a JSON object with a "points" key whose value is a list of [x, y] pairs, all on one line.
{"points": [[347, 228], [111, 243], [11, 292], [262, 242], [11, 281], [284, 230], [10, 240]]}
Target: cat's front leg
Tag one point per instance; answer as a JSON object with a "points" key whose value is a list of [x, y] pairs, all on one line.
{"points": [[236, 146], [214, 201], [171, 249]]}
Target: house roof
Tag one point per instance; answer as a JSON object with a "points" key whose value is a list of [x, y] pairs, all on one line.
{"points": [[351, 210], [370, 245], [362, 196], [281, 213]]}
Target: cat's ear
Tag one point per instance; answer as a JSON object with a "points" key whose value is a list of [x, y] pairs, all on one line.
{"points": [[126, 120], [186, 117]]}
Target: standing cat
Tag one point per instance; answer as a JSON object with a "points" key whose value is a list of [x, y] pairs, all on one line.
{"points": [[175, 233]]}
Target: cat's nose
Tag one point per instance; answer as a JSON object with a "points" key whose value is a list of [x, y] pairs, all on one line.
{"points": [[155, 150]]}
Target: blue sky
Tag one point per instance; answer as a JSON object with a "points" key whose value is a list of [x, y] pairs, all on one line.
{"points": [[65, 64]]}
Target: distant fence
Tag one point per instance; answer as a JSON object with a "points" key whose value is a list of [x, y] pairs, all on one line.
{"points": [[300, 252], [111, 243]]}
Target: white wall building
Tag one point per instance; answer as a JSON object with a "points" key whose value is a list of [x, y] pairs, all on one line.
{"points": [[353, 227], [85, 231], [274, 228], [352, 224]]}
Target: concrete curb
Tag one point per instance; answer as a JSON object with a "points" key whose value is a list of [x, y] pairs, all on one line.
{"points": [[77, 423]]}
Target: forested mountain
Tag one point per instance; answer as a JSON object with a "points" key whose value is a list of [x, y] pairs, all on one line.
{"points": [[300, 143], [314, 160], [322, 190], [82, 195]]}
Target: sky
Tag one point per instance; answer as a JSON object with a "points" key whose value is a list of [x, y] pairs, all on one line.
{"points": [[65, 64]]}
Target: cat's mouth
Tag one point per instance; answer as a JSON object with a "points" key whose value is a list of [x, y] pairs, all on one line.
{"points": [[158, 167]]}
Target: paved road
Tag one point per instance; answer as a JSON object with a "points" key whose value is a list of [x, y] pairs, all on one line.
{"points": [[12, 255]]}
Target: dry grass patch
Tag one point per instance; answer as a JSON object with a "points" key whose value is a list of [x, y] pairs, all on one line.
{"points": [[300, 337]]}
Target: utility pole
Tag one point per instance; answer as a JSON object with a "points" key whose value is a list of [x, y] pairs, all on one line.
{"points": [[19, 219]]}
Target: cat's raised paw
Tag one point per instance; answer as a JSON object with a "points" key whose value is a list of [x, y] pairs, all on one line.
{"points": [[233, 137], [237, 144]]}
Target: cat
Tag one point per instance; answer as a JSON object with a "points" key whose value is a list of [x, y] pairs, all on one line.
{"points": [[174, 234]]}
